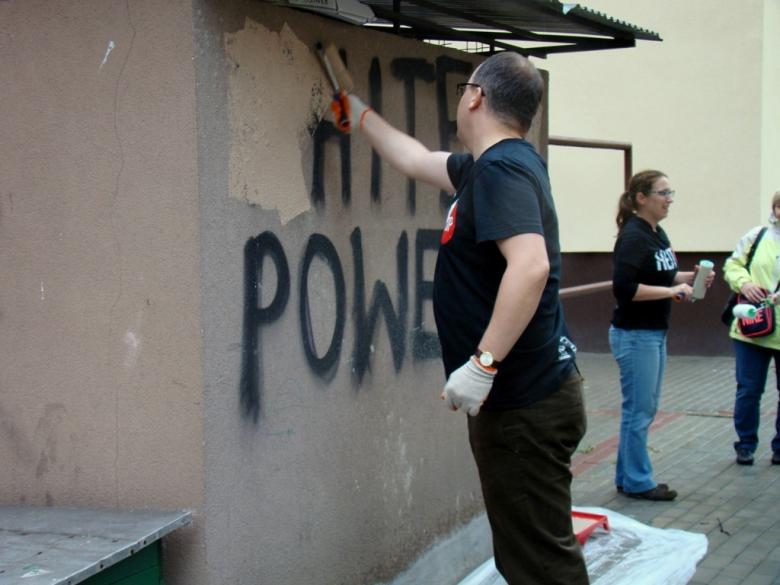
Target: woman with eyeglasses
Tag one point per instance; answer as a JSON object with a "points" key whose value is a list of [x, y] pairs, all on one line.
{"points": [[753, 354], [645, 280]]}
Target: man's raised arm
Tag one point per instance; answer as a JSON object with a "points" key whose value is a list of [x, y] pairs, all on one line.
{"points": [[404, 153]]}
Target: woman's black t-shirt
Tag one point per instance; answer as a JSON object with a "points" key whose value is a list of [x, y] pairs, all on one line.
{"points": [[506, 192], [641, 256]]}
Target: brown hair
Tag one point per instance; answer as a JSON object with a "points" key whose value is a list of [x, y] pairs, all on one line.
{"points": [[642, 182]]}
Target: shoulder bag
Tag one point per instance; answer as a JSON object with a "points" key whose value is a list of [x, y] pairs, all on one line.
{"points": [[762, 324]]}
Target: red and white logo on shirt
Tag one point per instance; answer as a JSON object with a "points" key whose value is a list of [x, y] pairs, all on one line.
{"points": [[449, 225]]}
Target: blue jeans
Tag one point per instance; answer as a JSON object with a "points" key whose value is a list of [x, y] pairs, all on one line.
{"points": [[752, 367], [641, 358]]}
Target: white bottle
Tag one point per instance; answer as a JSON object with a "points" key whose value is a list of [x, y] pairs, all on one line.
{"points": [[700, 283]]}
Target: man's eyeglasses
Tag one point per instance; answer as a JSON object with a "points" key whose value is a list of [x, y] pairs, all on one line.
{"points": [[460, 89], [668, 193]]}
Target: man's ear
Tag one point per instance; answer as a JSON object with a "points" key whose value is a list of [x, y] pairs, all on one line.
{"points": [[476, 101]]}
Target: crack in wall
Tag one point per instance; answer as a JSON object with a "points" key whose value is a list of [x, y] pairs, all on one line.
{"points": [[117, 243]]}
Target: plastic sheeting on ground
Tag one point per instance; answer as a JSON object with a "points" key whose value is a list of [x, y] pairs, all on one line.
{"points": [[630, 553]]}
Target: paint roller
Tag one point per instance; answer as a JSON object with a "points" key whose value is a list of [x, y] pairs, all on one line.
{"points": [[700, 282], [341, 81], [745, 311]]}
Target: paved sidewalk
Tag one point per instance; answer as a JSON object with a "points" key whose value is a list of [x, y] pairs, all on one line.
{"points": [[737, 507]]}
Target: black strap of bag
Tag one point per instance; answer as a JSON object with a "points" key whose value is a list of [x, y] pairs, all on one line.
{"points": [[727, 317], [752, 251]]}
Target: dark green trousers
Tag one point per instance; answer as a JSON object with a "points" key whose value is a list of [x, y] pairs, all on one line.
{"points": [[523, 457]]}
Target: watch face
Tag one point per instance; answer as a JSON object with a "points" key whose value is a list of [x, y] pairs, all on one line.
{"points": [[486, 359]]}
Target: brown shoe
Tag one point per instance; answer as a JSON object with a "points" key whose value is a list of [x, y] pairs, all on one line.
{"points": [[660, 493]]}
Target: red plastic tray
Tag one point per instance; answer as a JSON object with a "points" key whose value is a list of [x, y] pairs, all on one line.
{"points": [[585, 523]]}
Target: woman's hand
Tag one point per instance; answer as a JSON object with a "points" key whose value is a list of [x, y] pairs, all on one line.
{"points": [[681, 292], [752, 292]]}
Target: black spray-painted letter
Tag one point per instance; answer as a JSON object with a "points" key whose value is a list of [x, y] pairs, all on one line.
{"points": [[324, 366], [266, 244]]}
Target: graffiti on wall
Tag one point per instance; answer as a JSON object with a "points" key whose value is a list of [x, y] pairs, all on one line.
{"points": [[405, 337], [408, 71]]}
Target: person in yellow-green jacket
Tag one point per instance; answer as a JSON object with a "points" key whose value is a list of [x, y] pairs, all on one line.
{"points": [[753, 354]]}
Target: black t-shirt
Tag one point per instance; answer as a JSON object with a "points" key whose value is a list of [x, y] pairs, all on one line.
{"points": [[642, 256], [506, 192]]}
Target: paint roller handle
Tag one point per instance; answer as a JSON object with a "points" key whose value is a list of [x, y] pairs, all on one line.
{"points": [[340, 108], [681, 292], [348, 111]]}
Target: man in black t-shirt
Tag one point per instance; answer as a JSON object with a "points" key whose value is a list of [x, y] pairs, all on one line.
{"points": [[507, 357]]}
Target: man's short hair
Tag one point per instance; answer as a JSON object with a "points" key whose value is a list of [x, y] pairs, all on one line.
{"points": [[513, 86]]}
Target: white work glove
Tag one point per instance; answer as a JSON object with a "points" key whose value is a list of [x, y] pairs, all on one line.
{"points": [[468, 387], [356, 110]]}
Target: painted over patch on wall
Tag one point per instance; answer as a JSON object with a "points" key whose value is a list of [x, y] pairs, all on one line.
{"points": [[275, 88]]}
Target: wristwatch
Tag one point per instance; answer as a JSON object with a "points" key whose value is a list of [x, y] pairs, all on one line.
{"points": [[486, 359]]}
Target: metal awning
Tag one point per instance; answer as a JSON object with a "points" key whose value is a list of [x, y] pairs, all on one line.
{"points": [[531, 27]]}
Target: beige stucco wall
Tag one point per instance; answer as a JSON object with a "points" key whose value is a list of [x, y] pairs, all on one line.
{"points": [[701, 105], [340, 478], [100, 345], [146, 148]]}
